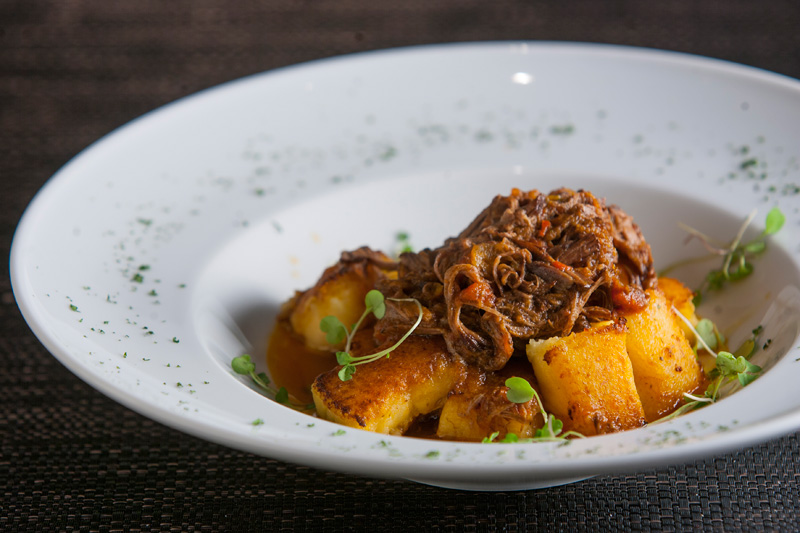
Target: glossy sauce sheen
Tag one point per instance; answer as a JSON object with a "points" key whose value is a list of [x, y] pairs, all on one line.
{"points": [[297, 371]]}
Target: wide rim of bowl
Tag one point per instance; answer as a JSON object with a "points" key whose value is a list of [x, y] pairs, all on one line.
{"points": [[403, 467]]}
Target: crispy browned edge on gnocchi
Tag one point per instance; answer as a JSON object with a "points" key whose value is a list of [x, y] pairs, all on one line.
{"points": [[614, 376]]}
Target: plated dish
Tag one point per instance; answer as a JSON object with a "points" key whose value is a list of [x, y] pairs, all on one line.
{"points": [[165, 250], [542, 320]]}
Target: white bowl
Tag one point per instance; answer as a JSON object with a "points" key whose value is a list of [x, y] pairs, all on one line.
{"points": [[164, 250]]}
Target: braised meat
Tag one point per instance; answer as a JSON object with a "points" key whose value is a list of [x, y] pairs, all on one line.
{"points": [[530, 266]]}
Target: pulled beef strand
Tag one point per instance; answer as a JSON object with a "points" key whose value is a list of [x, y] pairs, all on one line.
{"points": [[529, 266]]}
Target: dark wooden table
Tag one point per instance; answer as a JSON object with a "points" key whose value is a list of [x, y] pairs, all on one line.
{"points": [[71, 459]]}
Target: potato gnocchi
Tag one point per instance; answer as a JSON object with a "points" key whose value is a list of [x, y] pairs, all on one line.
{"points": [[557, 289]]}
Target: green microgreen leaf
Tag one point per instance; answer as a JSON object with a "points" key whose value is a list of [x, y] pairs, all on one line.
{"points": [[343, 358], [348, 360], [346, 372], [735, 263], [541, 433], [490, 438], [750, 373], [550, 432], [282, 396], [727, 364], [243, 365], [730, 367], [775, 220], [519, 390], [707, 331], [510, 438], [374, 301], [335, 331], [551, 429], [404, 242]]}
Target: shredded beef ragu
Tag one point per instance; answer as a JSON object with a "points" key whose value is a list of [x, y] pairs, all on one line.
{"points": [[530, 266]]}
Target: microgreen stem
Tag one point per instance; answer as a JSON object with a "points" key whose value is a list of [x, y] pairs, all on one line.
{"points": [[337, 332], [735, 264], [697, 398], [364, 359], [678, 412], [694, 331], [357, 325], [261, 383], [541, 407], [244, 366], [729, 367], [550, 432], [714, 388], [705, 239], [735, 244]]}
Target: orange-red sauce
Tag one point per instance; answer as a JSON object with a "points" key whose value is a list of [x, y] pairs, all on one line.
{"points": [[293, 365]]}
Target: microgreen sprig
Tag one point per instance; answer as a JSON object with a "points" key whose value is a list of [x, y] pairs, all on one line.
{"points": [[736, 256], [336, 332], [521, 391], [707, 335], [244, 366], [404, 242], [729, 366]]}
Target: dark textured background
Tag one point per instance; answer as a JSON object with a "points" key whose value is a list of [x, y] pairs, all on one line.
{"points": [[70, 459]]}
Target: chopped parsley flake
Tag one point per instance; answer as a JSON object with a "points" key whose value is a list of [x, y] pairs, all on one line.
{"points": [[565, 129]]}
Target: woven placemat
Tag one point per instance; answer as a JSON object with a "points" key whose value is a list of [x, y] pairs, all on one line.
{"points": [[71, 459]]}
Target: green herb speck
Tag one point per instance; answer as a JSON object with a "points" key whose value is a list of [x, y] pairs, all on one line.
{"points": [[747, 163], [564, 129]]}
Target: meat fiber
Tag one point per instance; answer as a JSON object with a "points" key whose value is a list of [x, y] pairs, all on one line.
{"points": [[530, 266]]}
